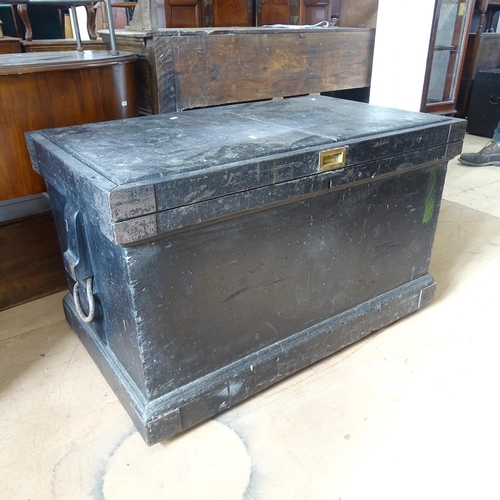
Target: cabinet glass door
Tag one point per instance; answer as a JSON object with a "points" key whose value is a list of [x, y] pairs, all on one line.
{"points": [[448, 50]]}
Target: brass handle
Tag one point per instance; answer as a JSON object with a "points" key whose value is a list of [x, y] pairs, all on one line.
{"points": [[329, 160]]}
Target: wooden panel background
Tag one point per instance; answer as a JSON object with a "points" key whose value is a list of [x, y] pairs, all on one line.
{"points": [[359, 13], [208, 69], [316, 11], [229, 13], [277, 12], [183, 13]]}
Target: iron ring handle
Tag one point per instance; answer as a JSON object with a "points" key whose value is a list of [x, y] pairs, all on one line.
{"points": [[494, 99], [90, 298]]}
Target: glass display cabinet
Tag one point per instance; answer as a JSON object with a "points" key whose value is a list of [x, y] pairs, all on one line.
{"points": [[446, 55]]}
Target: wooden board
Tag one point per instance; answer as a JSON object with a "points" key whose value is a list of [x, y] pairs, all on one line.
{"points": [[61, 45], [220, 68], [181, 69], [30, 258]]}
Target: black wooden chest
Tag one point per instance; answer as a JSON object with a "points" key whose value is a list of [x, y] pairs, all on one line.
{"points": [[219, 250]]}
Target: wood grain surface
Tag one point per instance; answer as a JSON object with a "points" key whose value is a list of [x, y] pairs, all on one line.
{"points": [[9, 45], [71, 94], [235, 67], [488, 56], [55, 61], [358, 13], [61, 45], [183, 68], [30, 260], [229, 13]]}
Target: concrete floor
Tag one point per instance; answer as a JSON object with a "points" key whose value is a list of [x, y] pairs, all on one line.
{"points": [[411, 412]]}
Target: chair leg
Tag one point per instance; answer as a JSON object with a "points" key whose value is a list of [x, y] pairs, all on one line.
{"points": [[91, 22], [17, 22], [22, 9]]}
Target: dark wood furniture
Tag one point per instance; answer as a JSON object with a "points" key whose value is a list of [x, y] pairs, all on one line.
{"points": [[241, 13], [10, 45], [54, 89], [22, 9], [48, 20], [30, 258], [61, 45], [245, 13], [71, 4], [37, 91], [191, 68], [449, 33]]}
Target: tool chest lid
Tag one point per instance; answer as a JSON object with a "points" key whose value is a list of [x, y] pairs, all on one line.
{"points": [[151, 164]]}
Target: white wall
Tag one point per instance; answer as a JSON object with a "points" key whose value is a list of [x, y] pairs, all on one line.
{"points": [[81, 14], [400, 55]]}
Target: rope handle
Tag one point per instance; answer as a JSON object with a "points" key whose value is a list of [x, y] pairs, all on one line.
{"points": [[90, 298]]}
